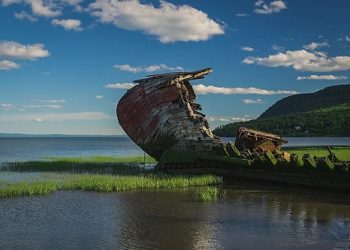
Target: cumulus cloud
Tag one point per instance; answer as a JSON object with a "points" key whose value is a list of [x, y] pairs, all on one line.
{"points": [[168, 22], [120, 85], [128, 68], [8, 65], [246, 48], [273, 7], [68, 24], [321, 77], [16, 50], [24, 15], [99, 97], [150, 68], [200, 89], [315, 46], [6, 106], [79, 116], [43, 8], [303, 60], [251, 101]]}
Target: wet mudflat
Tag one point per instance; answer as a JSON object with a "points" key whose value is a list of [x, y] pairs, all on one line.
{"points": [[250, 215]]}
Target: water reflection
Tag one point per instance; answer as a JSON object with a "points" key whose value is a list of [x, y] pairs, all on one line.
{"points": [[250, 216]]}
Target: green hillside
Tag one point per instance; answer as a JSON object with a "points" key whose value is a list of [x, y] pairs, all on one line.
{"points": [[323, 113], [328, 97]]}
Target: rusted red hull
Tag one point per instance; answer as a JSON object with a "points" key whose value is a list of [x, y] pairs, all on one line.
{"points": [[160, 113]]}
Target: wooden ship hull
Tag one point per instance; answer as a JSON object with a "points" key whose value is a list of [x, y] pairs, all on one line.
{"points": [[161, 116]]}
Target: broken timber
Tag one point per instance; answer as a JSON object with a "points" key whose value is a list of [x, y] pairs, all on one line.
{"points": [[160, 115]]}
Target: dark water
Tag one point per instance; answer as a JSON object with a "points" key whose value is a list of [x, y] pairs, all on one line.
{"points": [[33, 148], [250, 216]]}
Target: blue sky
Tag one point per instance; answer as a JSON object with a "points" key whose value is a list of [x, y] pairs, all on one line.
{"points": [[65, 64]]}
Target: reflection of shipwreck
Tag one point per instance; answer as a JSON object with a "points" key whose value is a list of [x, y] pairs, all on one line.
{"points": [[160, 115]]}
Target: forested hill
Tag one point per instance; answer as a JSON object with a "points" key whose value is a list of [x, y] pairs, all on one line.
{"points": [[323, 113], [330, 96]]}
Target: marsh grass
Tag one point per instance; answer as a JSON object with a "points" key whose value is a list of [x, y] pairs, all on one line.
{"points": [[27, 189], [105, 183], [121, 165], [207, 194], [342, 153]]}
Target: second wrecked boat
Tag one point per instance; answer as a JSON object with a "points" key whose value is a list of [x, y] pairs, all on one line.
{"points": [[161, 116]]}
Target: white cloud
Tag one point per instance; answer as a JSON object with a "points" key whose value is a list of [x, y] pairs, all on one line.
{"points": [[120, 85], [347, 38], [75, 4], [241, 14], [321, 77], [251, 101], [228, 118], [99, 97], [24, 15], [16, 50], [38, 120], [153, 68], [150, 68], [68, 24], [277, 47], [48, 106], [6, 106], [249, 49], [203, 90], [79, 116], [54, 101], [303, 60], [8, 65], [43, 8], [273, 7], [315, 46], [168, 22], [39, 7], [128, 68]]}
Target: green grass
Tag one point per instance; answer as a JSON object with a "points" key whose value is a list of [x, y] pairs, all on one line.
{"points": [[26, 189], [207, 194], [104, 183], [106, 159], [115, 165], [342, 153]]}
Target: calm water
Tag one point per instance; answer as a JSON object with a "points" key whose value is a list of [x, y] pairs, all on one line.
{"points": [[33, 148], [250, 216]]}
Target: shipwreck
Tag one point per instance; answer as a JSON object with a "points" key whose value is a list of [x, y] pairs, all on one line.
{"points": [[161, 116]]}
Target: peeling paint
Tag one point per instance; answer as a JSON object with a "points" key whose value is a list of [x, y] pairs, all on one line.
{"points": [[160, 113]]}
